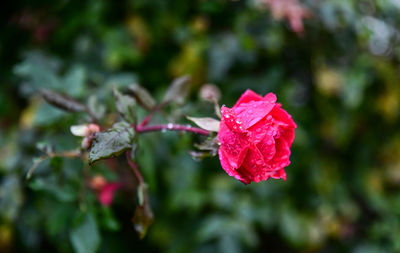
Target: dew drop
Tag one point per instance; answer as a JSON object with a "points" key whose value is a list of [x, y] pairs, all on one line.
{"points": [[269, 117], [259, 162], [170, 125], [227, 116]]}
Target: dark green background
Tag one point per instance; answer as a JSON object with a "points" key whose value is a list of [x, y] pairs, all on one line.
{"points": [[339, 80]]}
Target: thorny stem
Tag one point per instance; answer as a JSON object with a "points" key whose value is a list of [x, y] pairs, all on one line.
{"points": [[134, 168], [147, 119], [171, 127]]}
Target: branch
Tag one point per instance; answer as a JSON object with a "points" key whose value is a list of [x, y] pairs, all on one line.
{"points": [[147, 119], [171, 127], [134, 168]]}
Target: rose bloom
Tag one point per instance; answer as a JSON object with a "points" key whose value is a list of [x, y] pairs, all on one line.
{"points": [[255, 136]]}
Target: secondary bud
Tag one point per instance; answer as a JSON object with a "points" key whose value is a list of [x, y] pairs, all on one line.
{"points": [[210, 92]]}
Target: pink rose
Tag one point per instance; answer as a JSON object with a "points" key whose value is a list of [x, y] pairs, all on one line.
{"points": [[105, 191], [255, 136], [106, 194]]}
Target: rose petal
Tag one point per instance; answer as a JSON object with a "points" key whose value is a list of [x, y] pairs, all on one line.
{"points": [[280, 114], [106, 195], [227, 167], [252, 112], [235, 157], [260, 129], [281, 158], [288, 135], [254, 167], [229, 118], [248, 96], [233, 144], [270, 97], [267, 147], [279, 174]]}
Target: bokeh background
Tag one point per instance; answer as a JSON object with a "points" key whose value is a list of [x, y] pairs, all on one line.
{"points": [[339, 78]]}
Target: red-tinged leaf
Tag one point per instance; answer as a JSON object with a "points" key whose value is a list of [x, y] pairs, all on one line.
{"points": [[112, 142], [126, 106], [62, 101], [143, 216], [178, 90], [142, 96]]}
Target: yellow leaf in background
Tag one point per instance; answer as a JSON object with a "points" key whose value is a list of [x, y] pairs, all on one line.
{"points": [[140, 32], [6, 238], [199, 24], [374, 181], [28, 114], [329, 81], [388, 102], [190, 61]]}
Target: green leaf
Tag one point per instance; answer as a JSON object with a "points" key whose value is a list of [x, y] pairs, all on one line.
{"points": [[108, 220], [11, 197], [39, 70], [125, 106], [112, 142], [97, 109], [142, 96], [178, 90], [208, 124], [85, 237], [74, 80], [143, 216], [47, 114], [65, 193], [62, 101]]}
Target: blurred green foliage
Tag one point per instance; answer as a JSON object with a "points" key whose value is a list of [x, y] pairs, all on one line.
{"points": [[340, 80]]}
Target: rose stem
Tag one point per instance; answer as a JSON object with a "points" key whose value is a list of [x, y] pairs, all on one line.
{"points": [[134, 168], [171, 127], [147, 119]]}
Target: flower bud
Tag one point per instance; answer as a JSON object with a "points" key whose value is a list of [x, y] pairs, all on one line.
{"points": [[210, 92]]}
